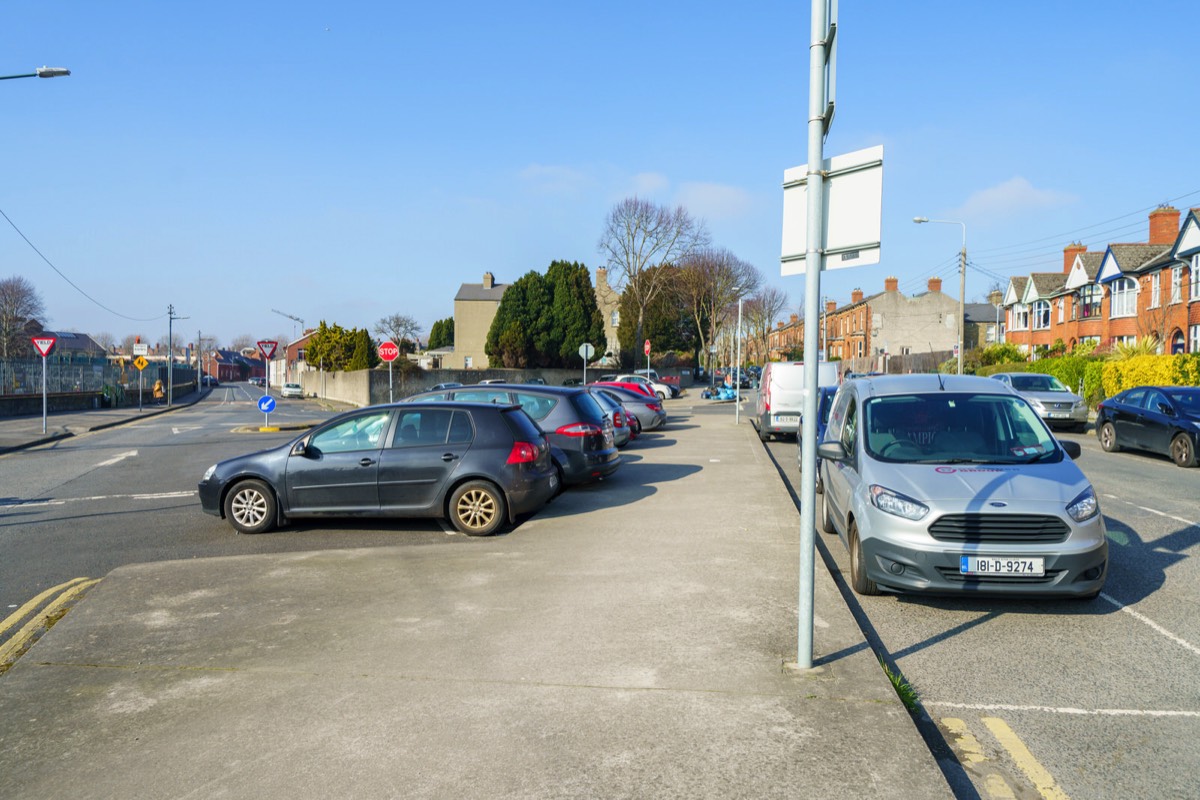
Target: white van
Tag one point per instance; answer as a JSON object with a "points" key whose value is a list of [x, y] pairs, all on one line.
{"points": [[781, 395]]}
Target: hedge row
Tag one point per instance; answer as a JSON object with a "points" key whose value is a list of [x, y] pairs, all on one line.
{"points": [[1100, 378]]}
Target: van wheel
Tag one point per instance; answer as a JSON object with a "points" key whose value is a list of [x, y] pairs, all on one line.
{"points": [[858, 571], [763, 436], [826, 520]]}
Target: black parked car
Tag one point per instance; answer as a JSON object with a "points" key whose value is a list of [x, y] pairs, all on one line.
{"points": [[477, 465], [580, 433], [1161, 419]]}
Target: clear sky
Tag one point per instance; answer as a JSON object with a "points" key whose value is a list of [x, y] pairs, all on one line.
{"points": [[346, 161]]}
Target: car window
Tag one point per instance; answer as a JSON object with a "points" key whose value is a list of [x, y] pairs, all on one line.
{"points": [[430, 398], [588, 408], [1154, 399], [1186, 399], [538, 407], [944, 428], [1135, 398], [362, 432], [481, 396], [850, 427], [522, 427], [423, 426]]}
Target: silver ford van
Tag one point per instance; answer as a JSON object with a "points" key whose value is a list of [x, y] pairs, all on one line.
{"points": [[954, 484]]}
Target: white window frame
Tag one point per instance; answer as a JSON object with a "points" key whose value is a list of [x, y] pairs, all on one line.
{"points": [[1122, 294], [1177, 284], [1020, 317], [1091, 300], [614, 319], [1062, 309], [1041, 315], [1194, 280], [1155, 289], [1194, 338]]}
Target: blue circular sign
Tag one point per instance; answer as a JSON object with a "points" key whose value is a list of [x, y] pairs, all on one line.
{"points": [[266, 404]]}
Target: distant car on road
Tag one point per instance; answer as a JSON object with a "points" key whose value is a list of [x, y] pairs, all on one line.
{"points": [[1159, 419], [292, 390], [479, 465], [1052, 400], [258, 381], [209, 380]]}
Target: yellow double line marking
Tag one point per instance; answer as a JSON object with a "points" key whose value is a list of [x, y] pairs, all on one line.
{"points": [[17, 644], [972, 755]]}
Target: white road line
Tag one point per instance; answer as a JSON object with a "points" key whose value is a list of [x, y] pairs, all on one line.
{"points": [[98, 498], [1156, 512], [1083, 712], [1154, 625], [117, 458]]}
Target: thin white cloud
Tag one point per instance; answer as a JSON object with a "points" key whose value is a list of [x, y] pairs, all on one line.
{"points": [[1013, 197], [714, 201], [648, 184], [554, 179]]}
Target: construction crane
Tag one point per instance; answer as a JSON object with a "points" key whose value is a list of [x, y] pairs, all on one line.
{"points": [[293, 319]]}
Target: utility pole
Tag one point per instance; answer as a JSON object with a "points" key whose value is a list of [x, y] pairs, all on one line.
{"points": [[171, 352]]}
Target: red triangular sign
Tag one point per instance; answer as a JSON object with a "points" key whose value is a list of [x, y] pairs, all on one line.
{"points": [[268, 348], [44, 344]]}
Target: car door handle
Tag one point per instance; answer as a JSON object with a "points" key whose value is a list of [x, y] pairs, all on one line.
{"points": [[449, 457], [366, 462]]}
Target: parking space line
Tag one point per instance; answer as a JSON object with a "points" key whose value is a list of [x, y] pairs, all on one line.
{"points": [[1082, 712], [1152, 624], [1156, 512], [1042, 780]]}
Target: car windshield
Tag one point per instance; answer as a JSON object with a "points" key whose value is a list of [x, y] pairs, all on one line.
{"points": [[955, 428], [1038, 383]]}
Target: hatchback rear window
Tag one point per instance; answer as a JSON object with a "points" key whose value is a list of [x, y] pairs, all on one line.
{"points": [[522, 427], [588, 408], [537, 406]]}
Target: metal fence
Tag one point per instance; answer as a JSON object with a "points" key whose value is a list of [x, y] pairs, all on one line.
{"points": [[24, 376]]}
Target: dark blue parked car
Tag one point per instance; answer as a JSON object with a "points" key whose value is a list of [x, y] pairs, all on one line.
{"points": [[824, 404], [1160, 419]]}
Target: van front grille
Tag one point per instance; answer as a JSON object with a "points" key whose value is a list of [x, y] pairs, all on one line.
{"points": [[999, 528]]}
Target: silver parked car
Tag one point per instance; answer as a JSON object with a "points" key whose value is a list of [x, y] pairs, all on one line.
{"points": [[953, 484], [1054, 402]]}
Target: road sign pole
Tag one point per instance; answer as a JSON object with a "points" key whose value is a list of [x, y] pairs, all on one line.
{"points": [[43, 395], [139, 391], [391, 396]]}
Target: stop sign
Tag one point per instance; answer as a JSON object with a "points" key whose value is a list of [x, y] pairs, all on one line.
{"points": [[646, 347], [388, 351]]}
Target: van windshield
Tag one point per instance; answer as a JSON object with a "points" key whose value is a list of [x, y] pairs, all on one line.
{"points": [[955, 428]]}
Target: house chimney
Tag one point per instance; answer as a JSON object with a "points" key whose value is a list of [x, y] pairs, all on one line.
{"points": [[602, 276], [856, 296], [1164, 225], [935, 284], [1070, 252], [780, 324], [795, 319], [830, 306], [489, 280], [891, 284]]}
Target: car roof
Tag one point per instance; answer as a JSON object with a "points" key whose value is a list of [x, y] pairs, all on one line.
{"points": [[930, 383]]}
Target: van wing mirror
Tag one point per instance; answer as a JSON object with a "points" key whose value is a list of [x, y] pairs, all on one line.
{"points": [[833, 451]]}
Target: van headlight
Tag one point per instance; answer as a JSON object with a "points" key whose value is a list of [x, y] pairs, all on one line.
{"points": [[896, 503], [208, 473], [1085, 506]]}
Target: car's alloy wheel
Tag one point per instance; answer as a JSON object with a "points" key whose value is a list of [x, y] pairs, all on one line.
{"points": [[250, 507], [1183, 451], [477, 508], [1108, 438], [858, 572]]}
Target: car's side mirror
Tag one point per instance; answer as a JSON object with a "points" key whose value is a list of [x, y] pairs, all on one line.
{"points": [[832, 451], [300, 448], [1164, 408], [1071, 448]]}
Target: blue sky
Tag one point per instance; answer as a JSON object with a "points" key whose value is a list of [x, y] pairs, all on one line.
{"points": [[346, 161]]}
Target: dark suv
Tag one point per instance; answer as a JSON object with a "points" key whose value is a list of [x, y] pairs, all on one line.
{"points": [[478, 465], [580, 433]]}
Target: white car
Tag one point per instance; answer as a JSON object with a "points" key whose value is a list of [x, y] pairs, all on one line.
{"points": [[292, 390], [661, 389]]}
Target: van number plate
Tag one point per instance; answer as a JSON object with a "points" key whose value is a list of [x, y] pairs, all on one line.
{"points": [[1002, 565], [784, 419]]}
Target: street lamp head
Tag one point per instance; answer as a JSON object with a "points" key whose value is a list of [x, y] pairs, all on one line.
{"points": [[53, 72], [920, 219]]}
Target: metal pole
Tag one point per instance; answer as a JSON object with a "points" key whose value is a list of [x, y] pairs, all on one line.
{"points": [[170, 354], [813, 265], [391, 397], [43, 395], [962, 299], [737, 389]]}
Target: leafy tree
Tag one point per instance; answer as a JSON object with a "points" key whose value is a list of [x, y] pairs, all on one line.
{"points": [[364, 356], [639, 235], [20, 303], [521, 323], [330, 347], [575, 317], [442, 333]]}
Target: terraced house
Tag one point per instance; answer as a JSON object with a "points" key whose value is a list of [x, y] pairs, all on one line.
{"points": [[1125, 293]]}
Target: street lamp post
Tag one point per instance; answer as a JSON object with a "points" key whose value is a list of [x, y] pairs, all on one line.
{"points": [[40, 72], [737, 381], [962, 282]]}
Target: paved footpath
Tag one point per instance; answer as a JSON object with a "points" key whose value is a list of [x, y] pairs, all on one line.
{"points": [[631, 640]]}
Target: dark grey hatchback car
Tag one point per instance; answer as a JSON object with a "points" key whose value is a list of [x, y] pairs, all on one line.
{"points": [[477, 465], [579, 431]]}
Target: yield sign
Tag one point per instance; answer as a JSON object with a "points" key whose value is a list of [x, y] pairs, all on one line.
{"points": [[44, 344], [267, 347]]}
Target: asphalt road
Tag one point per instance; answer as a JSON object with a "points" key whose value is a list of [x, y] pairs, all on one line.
{"points": [[1101, 693]]}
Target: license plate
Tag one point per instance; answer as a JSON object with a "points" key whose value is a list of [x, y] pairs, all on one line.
{"points": [[1058, 414], [1002, 565], [784, 418]]}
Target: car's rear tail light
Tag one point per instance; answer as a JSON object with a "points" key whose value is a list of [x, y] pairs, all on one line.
{"points": [[522, 453], [580, 429], [656, 407], [618, 420]]}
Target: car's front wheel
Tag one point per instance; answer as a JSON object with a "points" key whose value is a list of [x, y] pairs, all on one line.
{"points": [[858, 570], [1183, 450], [1108, 438], [477, 508], [250, 507]]}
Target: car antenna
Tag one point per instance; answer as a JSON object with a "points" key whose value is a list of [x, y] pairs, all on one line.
{"points": [[941, 382]]}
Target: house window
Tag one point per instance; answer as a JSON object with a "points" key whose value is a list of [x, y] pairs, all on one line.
{"points": [[468, 362], [1194, 282], [1090, 297], [1020, 317], [1041, 315], [1124, 298], [1062, 309], [614, 320], [1155, 289], [1177, 284], [1129, 340], [1194, 339]]}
